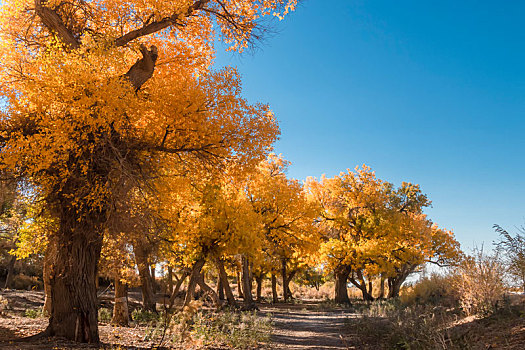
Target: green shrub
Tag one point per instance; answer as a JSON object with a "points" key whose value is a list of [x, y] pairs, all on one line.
{"points": [[104, 315], [145, 317], [244, 330], [33, 313]]}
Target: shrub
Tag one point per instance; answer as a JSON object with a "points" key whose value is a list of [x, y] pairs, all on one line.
{"points": [[4, 305], [33, 313], [104, 315], [237, 330], [434, 290], [144, 317], [478, 281]]}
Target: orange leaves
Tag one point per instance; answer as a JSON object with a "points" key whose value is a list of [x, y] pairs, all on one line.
{"points": [[367, 224]]}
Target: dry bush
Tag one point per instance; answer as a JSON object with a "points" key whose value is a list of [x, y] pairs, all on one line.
{"points": [[437, 289], [325, 291], [478, 282], [25, 282]]}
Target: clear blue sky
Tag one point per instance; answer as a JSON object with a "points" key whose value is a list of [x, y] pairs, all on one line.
{"points": [[427, 92]]}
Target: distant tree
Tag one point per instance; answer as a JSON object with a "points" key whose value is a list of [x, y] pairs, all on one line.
{"points": [[512, 250]]}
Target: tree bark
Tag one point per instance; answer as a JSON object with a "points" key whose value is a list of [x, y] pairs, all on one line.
{"points": [[146, 283], [382, 287], [239, 289], [10, 272], [220, 288], [283, 275], [259, 279], [120, 308], [194, 277], [208, 290], [341, 289], [275, 296], [226, 284], [361, 284], [249, 303], [72, 277]]}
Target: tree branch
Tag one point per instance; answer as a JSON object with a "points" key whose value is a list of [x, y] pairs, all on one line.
{"points": [[156, 26], [54, 23]]}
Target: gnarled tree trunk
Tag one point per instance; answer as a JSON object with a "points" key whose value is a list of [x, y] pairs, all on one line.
{"points": [[275, 296], [194, 278], [120, 308], [226, 284], [341, 289], [259, 279], [10, 272], [72, 273], [249, 303], [146, 282]]}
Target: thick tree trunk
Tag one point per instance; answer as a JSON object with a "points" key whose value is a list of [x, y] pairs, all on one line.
{"points": [[341, 288], [259, 280], [275, 296], [370, 287], [46, 277], [249, 303], [146, 282], [72, 275], [220, 288], [194, 278], [226, 284], [283, 275], [10, 272], [394, 286], [120, 308]]}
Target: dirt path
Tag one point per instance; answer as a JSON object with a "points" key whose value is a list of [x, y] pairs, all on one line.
{"points": [[306, 326]]}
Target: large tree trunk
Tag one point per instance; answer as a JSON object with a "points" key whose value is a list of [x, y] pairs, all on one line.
{"points": [[72, 275], [194, 278], [394, 286], [120, 308], [249, 303], [283, 275], [10, 272], [341, 289], [226, 284], [259, 279], [220, 288], [275, 296], [146, 282], [46, 277]]}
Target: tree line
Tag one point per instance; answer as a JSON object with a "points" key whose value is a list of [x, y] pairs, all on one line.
{"points": [[121, 148]]}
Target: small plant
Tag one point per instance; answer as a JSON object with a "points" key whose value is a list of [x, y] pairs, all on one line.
{"points": [[243, 330], [33, 313], [145, 317], [4, 305], [104, 315]]}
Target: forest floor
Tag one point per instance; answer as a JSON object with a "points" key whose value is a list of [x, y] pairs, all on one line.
{"points": [[300, 325]]}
